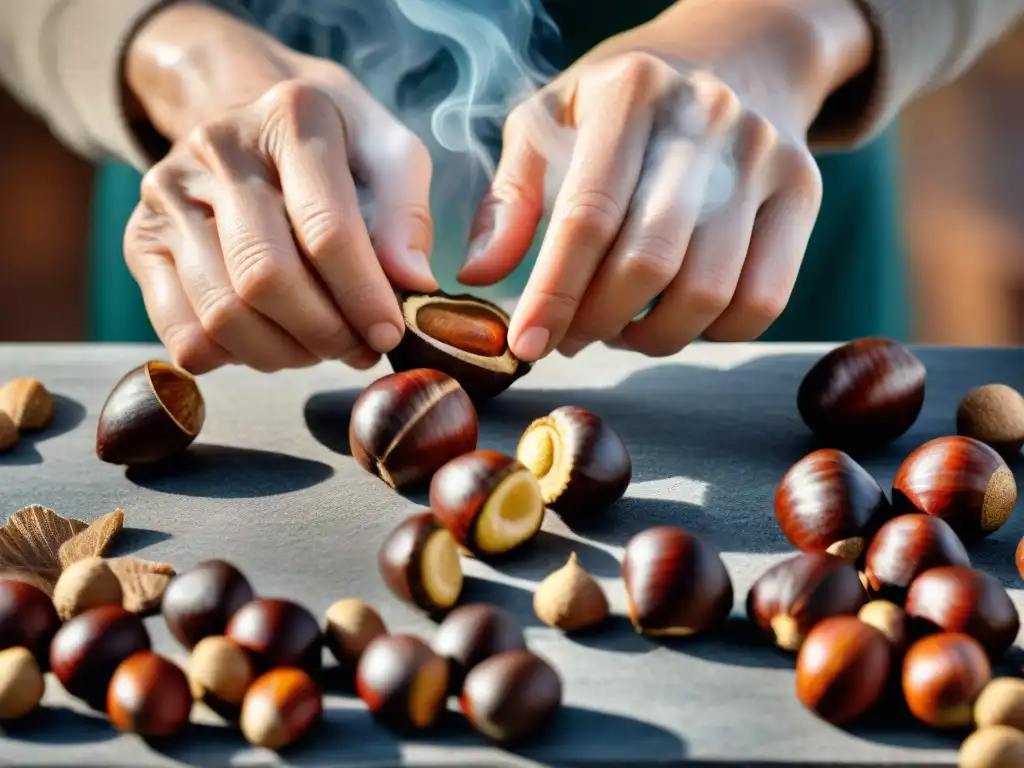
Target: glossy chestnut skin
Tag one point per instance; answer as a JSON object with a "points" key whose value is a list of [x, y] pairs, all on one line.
{"points": [[280, 708], [863, 394], [490, 502], [402, 682], [792, 596], [676, 584], [511, 697], [906, 547], [149, 695], [1019, 557], [827, 502], [404, 426], [959, 479], [199, 602], [955, 598], [28, 619], [419, 562], [87, 650], [277, 633], [943, 675], [581, 462], [472, 633], [154, 412]]}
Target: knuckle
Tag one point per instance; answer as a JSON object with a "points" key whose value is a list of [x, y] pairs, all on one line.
{"points": [[653, 260], [762, 305], [362, 296], [593, 216], [218, 311], [758, 142], [802, 174], [160, 184], [708, 297], [212, 142], [290, 99], [723, 106], [562, 302], [323, 230], [259, 278], [190, 348]]}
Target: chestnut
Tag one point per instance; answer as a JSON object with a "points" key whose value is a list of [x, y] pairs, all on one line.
{"points": [[404, 426], [956, 598], [199, 602], [402, 681], [148, 695], [581, 462], [889, 619], [472, 633], [88, 648], [795, 594], [22, 684], [570, 599], [219, 673], [1020, 557], [511, 697], [993, 414], [959, 479], [154, 412], [827, 502], [1001, 703], [419, 562], [350, 626], [463, 336], [905, 547], [28, 619], [281, 707], [676, 584], [490, 502], [277, 633], [994, 746], [863, 394], [943, 675]]}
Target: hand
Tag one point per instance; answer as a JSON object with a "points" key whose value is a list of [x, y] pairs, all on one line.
{"points": [[658, 113], [248, 243]]}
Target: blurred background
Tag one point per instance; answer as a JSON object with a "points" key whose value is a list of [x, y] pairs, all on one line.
{"points": [[961, 198]]}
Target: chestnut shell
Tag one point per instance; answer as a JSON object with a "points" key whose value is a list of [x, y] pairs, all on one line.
{"points": [[406, 563], [904, 548]]}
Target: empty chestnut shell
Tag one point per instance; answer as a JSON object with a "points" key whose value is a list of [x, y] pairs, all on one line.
{"points": [[511, 697], [404, 426], [402, 681], [154, 412], [277, 633], [419, 562], [993, 414], [280, 708], [28, 619], [490, 502], [581, 462], [463, 336], [906, 547], [472, 633], [149, 695], [795, 594], [943, 675], [959, 479], [199, 602], [827, 502], [863, 394], [676, 584]]}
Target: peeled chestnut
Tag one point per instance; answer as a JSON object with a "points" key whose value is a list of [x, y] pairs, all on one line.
{"points": [[199, 602], [280, 708], [959, 479], [88, 648], [993, 414], [419, 562], [581, 462], [956, 598], [402, 681], [350, 626], [676, 584], [827, 502], [889, 619], [154, 412], [464, 336], [512, 696], [219, 673], [472, 633], [795, 594], [277, 633], [148, 695], [943, 675], [28, 619], [905, 547], [863, 394], [404, 426]]}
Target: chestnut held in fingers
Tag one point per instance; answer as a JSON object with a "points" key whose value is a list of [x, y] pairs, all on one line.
{"points": [[959, 479], [581, 462], [149, 695], [905, 547], [956, 598], [472, 633], [889, 619], [154, 412], [511, 696], [350, 626], [676, 584], [21, 684], [199, 602], [795, 594], [489, 501], [280, 708], [219, 673], [277, 633], [402, 681], [464, 336], [827, 502], [943, 675], [419, 562], [28, 619], [993, 414]]}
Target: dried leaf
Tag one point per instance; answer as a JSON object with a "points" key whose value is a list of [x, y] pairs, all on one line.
{"points": [[44, 580], [142, 581], [94, 540], [32, 538]]}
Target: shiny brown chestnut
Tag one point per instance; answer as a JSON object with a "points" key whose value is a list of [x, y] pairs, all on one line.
{"points": [[943, 675], [280, 708], [581, 462], [28, 619], [87, 650], [463, 336], [993, 414], [792, 596], [154, 412], [906, 547], [277, 633], [1019, 558], [199, 602], [404, 426], [219, 673], [419, 562], [863, 394], [148, 695], [349, 626], [827, 502], [489, 502], [472, 633], [402, 681], [956, 598], [889, 619], [676, 583], [959, 479]]}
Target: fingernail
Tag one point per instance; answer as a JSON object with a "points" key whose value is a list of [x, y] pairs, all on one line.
{"points": [[571, 347], [477, 248], [384, 337], [484, 230], [531, 343], [418, 263]]}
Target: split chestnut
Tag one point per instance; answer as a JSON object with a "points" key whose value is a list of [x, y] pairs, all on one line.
{"points": [[419, 562], [906, 547], [402, 682]]}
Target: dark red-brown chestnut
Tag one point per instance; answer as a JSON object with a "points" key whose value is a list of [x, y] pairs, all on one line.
{"points": [[199, 602], [28, 619], [149, 695], [943, 675], [277, 633], [511, 697], [905, 547], [402, 681], [419, 562], [472, 633]]}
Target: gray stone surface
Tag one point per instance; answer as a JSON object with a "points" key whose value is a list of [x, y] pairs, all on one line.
{"points": [[269, 486]]}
